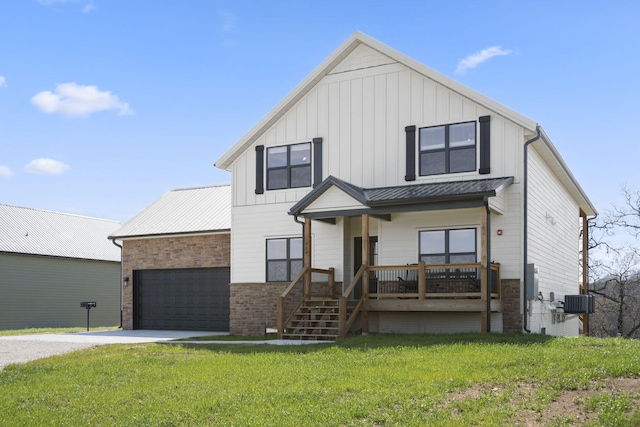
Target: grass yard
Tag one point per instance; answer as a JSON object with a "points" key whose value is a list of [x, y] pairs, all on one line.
{"points": [[456, 380]]}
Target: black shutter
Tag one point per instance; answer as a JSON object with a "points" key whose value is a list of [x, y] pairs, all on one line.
{"points": [[317, 161], [259, 169], [411, 153], [485, 145]]}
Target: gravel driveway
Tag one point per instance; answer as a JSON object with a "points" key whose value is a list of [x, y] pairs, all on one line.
{"points": [[24, 348], [21, 351]]}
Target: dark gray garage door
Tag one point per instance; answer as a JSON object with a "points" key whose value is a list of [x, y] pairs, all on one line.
{"points": [[193, 299]]}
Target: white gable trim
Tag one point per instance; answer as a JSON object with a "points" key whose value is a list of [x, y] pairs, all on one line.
{"points": [[329, 64], [333, 199]]}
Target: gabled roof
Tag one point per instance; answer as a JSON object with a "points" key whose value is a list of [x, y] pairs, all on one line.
{"points": [[403, 198], [38, 232], [356, 39], [182, 211], [553, 158], [331, 62]]}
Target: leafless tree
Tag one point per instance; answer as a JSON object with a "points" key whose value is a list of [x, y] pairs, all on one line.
{"points": [[618, 306], [627, 216], [615, 276]]}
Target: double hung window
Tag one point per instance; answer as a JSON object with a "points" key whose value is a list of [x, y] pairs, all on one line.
{"points": [[284, 259], [448, 149], [448, 246], [289, 166]]}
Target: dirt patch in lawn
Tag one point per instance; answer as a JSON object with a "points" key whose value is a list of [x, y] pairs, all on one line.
{"points": [[569, 406]]}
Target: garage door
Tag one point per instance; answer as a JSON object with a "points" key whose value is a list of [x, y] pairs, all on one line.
{"points": [[194, 299]]}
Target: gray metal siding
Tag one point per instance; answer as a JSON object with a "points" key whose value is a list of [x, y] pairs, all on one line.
{"points": [[41, 292]]}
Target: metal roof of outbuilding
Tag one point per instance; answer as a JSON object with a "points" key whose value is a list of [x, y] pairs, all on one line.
{"points": [[39, 232], [182, 211]]}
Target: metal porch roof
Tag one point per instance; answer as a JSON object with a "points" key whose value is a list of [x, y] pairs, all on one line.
{"points": [[421, 193], [381, 200]]}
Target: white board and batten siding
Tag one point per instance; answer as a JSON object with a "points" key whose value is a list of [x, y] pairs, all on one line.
{"points": [[360, 110], [361, 115], [252, 228], [554, 233]]}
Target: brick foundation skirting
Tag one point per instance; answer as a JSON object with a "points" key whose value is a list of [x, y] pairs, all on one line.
{"points": [[511, 315]]}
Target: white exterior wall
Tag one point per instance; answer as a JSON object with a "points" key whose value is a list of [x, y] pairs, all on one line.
{"points": [[554, 230], [251, 229], [399, 238], [507, 248], [361, 115]]}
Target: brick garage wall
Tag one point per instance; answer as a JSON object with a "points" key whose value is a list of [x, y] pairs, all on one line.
{"points": [[254, 306], [170, 252], [511, 316]]}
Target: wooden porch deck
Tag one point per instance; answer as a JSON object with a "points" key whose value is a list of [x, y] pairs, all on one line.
{"points": [[405, 288]]}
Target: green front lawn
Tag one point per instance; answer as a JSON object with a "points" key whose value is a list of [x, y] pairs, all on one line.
{"points": [[459, 380]]}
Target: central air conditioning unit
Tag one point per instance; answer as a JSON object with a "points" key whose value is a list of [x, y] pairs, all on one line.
{"points": [[579, 304]]}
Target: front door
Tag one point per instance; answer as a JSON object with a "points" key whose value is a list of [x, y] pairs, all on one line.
{"points": [[357, 262]]}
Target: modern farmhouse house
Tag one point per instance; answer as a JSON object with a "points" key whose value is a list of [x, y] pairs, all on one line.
{"points": [[382, 196]]}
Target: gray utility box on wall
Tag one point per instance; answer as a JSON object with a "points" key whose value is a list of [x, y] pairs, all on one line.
{"points": [[531, 280]]}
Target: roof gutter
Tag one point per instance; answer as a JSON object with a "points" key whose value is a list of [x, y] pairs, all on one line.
{"points": [[113, 240], [488, 266], [525, 227]]}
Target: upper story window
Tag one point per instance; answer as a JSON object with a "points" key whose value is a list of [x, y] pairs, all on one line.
{"points": [[448, 246], [289, 166], [448, 149], [284, 259]]}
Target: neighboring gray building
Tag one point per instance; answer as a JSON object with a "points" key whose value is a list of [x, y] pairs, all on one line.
{"points": [[50, 262]]}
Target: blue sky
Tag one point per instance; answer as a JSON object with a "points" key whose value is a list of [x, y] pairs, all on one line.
{"points": [[107, 104]]}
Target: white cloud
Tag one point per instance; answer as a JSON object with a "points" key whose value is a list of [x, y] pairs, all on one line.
{"points": [[228, 21], [75, 100], [46, 167], [472, 61], [87, 7], [5, 171], [3, 81]]}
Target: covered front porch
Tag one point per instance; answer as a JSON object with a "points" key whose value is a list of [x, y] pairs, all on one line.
{"points": [[314, 306]]}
